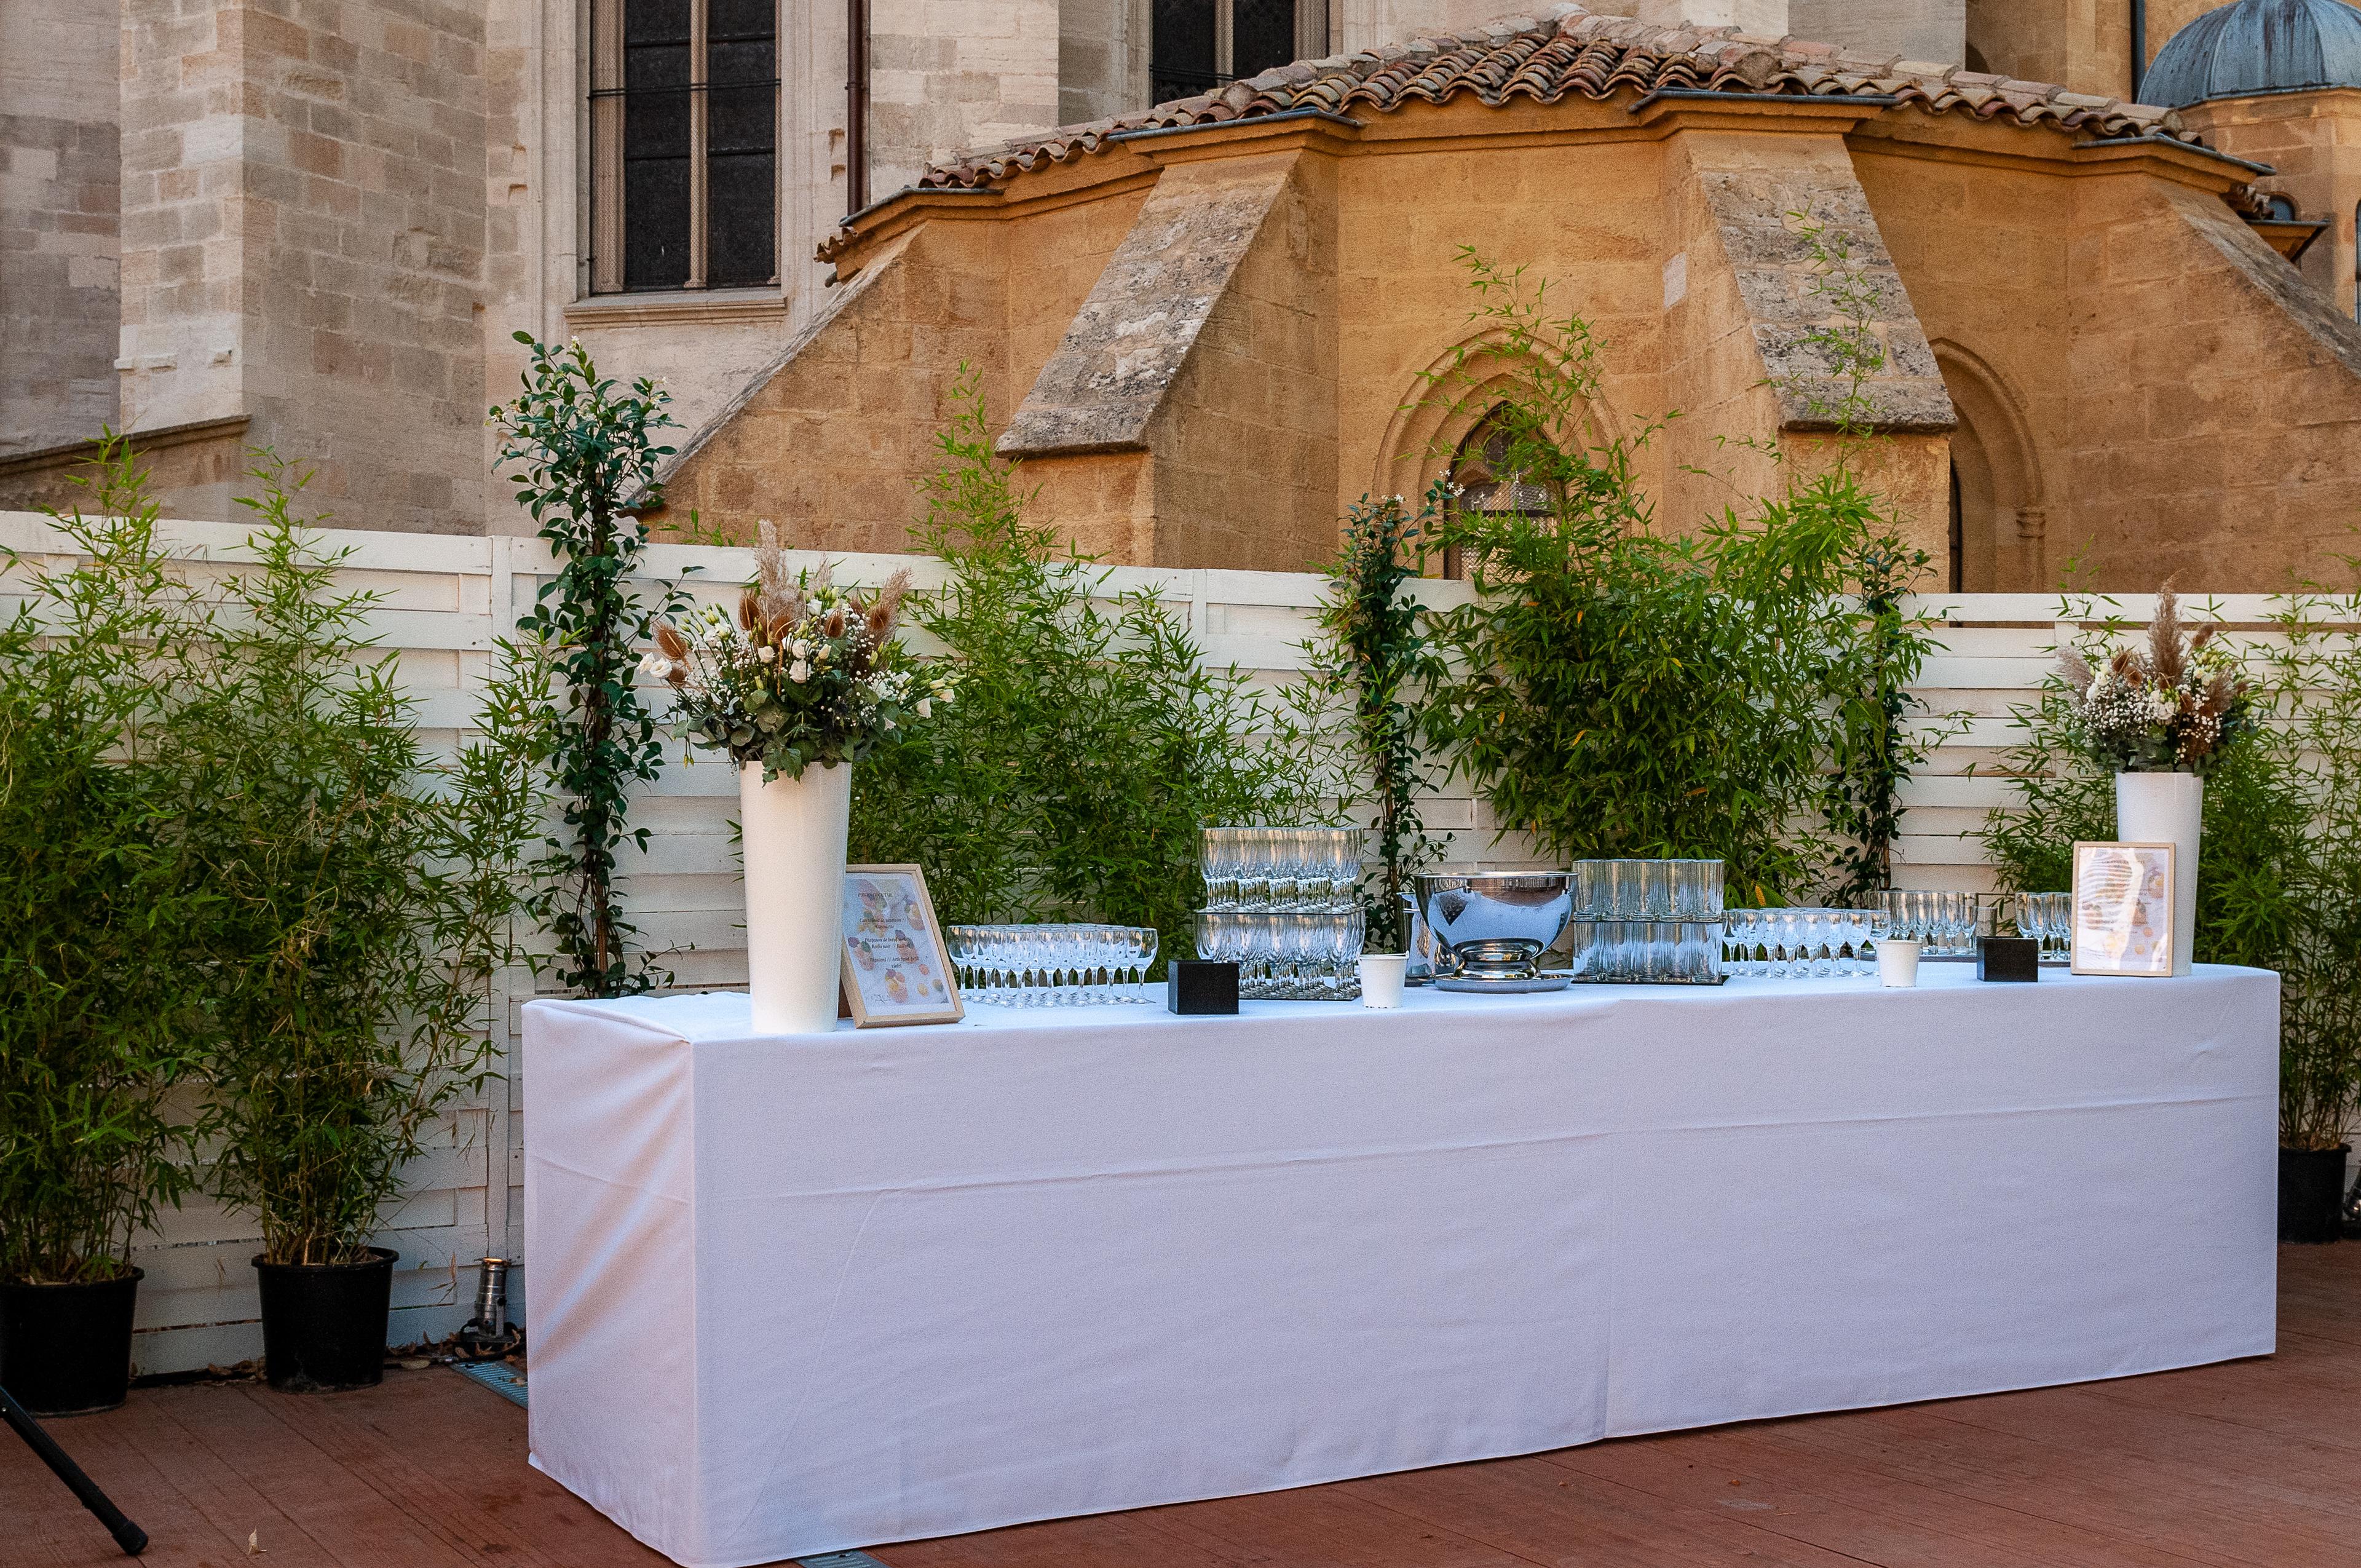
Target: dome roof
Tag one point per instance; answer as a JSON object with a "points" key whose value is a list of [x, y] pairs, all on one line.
{"points": [[2256, 46]]}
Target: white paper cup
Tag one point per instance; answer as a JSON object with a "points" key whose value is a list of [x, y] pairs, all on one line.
{"points": [[1897, 965], [1381, 978]]}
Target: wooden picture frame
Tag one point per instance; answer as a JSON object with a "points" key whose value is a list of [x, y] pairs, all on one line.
{"points": [[2123, 908], [896, 969]]}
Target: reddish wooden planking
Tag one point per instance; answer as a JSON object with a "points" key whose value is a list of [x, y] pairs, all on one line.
{"points": [[2245, 1465]]}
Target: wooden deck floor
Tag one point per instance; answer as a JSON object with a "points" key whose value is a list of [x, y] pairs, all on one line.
{"points": [[2255, 1463]]}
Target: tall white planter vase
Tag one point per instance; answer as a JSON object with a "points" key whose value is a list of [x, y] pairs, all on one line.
{"points": [[2168, 808], [793, 832]]}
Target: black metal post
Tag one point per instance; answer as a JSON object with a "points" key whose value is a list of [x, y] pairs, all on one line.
{"points": [[128, 1536]]}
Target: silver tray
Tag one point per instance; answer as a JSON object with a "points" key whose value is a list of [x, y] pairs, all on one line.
{"points": [[1504, 987]]}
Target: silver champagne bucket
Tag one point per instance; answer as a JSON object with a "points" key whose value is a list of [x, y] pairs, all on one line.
{"points": [[1495, 926]]}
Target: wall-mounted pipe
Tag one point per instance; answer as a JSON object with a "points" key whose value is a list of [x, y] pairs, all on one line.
{"points": [[856, 105], [2139, 47]]}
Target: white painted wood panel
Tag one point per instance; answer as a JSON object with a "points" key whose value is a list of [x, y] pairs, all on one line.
{"points": [[443, 602]]}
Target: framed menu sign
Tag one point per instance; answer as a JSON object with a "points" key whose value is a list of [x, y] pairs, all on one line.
{"points": [[897, 970], [2123, 908]]}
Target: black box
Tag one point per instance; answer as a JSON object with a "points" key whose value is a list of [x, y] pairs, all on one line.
{"points": [[2008, 958], [1200, 985]]}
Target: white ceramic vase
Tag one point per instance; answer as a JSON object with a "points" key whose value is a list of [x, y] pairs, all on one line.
{"points": [[793, 834], [2168, 808]]}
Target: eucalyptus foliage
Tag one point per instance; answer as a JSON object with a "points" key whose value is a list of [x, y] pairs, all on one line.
{"points": [[365, 892], [1366, 673], [2278, 880], [586, 452], [101, 1012], [1617, 690], [1088, 744]]}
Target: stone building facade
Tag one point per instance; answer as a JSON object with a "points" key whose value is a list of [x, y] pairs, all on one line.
{"points": [[313, 224]]}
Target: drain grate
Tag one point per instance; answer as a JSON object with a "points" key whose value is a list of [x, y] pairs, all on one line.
{"points": [[498, 1376]]}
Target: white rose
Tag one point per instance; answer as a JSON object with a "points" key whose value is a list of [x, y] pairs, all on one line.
{"points": [[800, 672], [770, 655], [926, 707]]}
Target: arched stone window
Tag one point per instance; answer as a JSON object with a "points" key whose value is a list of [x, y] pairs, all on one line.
{"points": [[1485, 482]]}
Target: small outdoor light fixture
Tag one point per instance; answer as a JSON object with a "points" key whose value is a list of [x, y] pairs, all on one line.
{"points": [[489, 1334]]}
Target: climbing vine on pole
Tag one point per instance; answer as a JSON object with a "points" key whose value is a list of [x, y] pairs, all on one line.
{"points": [[582, 452]]}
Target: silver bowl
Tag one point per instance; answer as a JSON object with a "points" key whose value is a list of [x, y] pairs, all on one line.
{"points": [[1496, 925]]}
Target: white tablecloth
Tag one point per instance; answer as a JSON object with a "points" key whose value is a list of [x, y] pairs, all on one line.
{"points": [[797, 1294]]}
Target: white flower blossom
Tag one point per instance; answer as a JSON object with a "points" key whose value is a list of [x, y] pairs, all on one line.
{"points": [[770, 655], [926, 707], [800, 672]]}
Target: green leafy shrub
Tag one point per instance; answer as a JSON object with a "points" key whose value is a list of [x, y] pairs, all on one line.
{"points": [[585, 452], [101, 1004], [1614, 690], [1365, 674], [1088, 744], [365, 892], [2278, 882]]}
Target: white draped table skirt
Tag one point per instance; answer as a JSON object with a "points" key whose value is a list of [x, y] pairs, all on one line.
{"points": [[796, 1294]]}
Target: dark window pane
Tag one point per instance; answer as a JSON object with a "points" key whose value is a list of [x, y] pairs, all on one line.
{"points": [[1181, 50], [656, 143], [1262, 34], [739, 20], [741, 119], [740, 248], [655, 223]]}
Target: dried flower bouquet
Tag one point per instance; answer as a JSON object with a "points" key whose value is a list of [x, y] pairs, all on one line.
{"points": [[2176, 705], [806, 672]]}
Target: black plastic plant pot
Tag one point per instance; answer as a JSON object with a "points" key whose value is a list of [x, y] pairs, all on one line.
{"points": [[2311, 1194], [323, 1324], [66, 1349]]}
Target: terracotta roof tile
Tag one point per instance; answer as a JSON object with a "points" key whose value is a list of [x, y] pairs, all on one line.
{"points": [[1564, 53]]}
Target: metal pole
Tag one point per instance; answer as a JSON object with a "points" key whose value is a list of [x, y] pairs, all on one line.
{"points": [[128, 1536], [856, 106], [2139, 47]]}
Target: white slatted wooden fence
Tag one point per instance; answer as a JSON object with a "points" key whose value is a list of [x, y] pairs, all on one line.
{"points": [[443, 602]]}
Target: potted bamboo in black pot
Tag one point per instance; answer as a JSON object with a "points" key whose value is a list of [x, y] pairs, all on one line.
{"points": [[368, 891], [98, 1001]]}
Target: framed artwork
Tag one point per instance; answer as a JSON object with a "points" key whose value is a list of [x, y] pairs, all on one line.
{"points": [[897, 970], [2122, 909]]}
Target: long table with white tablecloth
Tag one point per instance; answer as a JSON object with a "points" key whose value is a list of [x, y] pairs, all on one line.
{"points": [[796, 1294]]}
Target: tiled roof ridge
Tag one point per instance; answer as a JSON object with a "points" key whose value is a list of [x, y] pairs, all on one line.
{"points": [[1566, 49]]}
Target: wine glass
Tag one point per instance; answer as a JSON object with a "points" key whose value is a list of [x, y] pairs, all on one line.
{"points": [[1145, 940]]}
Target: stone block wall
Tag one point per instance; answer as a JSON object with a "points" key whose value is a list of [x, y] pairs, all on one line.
{"points": [[303, 213], [1932, 31], [2313, 142], [948, 74], [59, 167], [2085, 44], [1245, 448]]}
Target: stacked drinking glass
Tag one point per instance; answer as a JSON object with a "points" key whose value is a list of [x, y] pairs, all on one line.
{"points": [[1649, 922], [1284, 904], [1051, 966], [1802, 944]]}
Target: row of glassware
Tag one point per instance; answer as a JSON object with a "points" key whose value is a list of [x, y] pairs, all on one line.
{"points": [[1949, 924], [1794, 944], [1053, 965], [1288, 955], [1308, 871], [1652, 891], [1647, 952]]}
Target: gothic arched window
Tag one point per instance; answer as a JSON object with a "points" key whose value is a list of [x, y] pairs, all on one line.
{"points": [[1485, 480]]}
